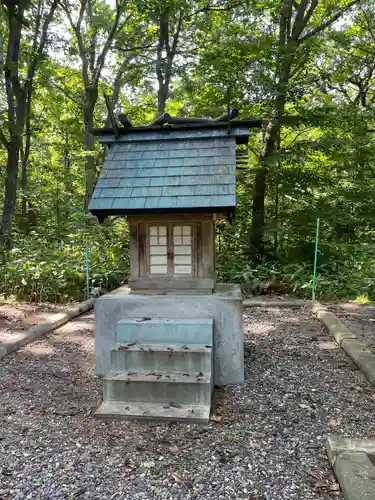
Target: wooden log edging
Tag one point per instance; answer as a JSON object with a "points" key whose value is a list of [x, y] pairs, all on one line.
{"points": [[37, 331], [356, 349]]}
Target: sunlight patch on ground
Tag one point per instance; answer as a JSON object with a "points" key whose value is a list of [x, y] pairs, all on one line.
{"points": [[40, 349], [76, 326], [6, 336], [328, 346], [47, 316], [260, 329]]}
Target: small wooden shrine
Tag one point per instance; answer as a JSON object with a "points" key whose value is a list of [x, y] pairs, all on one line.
{"points": [[172, 182], [163, 341]]}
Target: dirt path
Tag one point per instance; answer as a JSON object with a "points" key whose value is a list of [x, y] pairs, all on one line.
{"points": [[266, 443]]}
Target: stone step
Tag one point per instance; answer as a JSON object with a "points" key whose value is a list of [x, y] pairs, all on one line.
{"points": [[162, 357], [131, 410], [159, 387], [165, 330]]}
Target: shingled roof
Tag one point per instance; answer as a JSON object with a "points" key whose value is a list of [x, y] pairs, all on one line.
{"points": [[168, 172]]}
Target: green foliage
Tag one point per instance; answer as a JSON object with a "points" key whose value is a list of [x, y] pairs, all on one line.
{"points": [[349, 277], [40, 268], [324, 165]]}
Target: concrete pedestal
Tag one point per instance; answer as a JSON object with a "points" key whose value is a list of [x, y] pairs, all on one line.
{"points": [[224, 306]]}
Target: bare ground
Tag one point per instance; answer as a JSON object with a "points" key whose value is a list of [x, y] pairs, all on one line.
{"points": [[266, 442], [16, 317]]}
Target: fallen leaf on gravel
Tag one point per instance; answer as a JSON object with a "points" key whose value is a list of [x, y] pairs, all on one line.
{"points": [[171, 404], [321, 483], [168, 444], [148, 464], [79, 492], [334, 487], [305, 406], [179, 480], [165, 442], [334, 422], [216, 418]]}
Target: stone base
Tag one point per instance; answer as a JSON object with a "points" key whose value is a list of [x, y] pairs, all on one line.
{"points": [[114, 410], [224, 306]]}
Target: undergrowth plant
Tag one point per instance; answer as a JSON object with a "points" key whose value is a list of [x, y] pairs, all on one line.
{"points": [[45, 269]]}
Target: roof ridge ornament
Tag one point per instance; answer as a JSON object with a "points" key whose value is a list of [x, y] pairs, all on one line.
{"points": [[167, 119]]}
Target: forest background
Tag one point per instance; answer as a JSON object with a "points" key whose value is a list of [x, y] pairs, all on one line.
{"points": [[306, 68]]}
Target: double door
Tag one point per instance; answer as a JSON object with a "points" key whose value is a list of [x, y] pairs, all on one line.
{"points": [[170, 250]]}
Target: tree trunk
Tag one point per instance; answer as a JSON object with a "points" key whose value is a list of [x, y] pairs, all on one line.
{"points": [[19, 103], [25, 153], [257, 227], [162, 97], [91, 96], [165, 54], [276, 214], [259, 193], [10, 198], [15, 102], [271, 143]]}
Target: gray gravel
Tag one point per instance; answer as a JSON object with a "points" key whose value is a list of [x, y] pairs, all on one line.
{"points": [[265, 442]]}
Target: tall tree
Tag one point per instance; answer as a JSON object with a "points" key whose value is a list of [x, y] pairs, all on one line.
{"points": [[169, 30], [94, 27], [298, 22], [177, 22], [23, 20]]}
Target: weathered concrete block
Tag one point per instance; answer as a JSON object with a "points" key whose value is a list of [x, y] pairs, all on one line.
{"points": [[158, 388], [165, 330], [333, 324], [354, 470], [224, 306], [337, 444], [158, 358], [153, 411], [362, 357], [355, 474]]}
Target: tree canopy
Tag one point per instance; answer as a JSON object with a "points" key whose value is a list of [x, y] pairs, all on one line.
{"points": [[305, 68]]}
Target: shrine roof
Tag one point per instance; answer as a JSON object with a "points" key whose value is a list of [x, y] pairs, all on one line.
{"points": [[160, 171]]}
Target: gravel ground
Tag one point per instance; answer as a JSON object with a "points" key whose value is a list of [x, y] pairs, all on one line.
{"points": [[359, 318], [265, 442]]}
